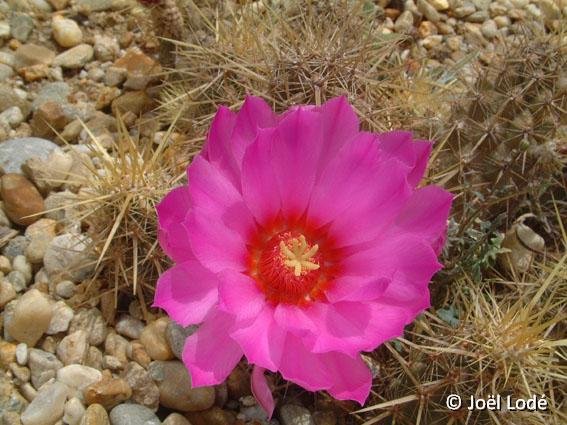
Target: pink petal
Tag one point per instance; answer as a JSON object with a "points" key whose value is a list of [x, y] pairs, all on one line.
{"points": [[217, 148], [239, 295], [400, 145], [255, 114], [352, 377], [262, 341], [356, 288], [369, 215], [187, 292], [171, 212], [210, 354], [425, 214], [340, 125], [295, 155], [259, 185], [262, 392], [216, 197]]}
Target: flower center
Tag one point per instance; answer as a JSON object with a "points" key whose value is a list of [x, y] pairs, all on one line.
{"points": [[289, 266], [298, 254]]}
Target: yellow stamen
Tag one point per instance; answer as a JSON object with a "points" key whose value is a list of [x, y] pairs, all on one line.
{"points": [[297, 255]]}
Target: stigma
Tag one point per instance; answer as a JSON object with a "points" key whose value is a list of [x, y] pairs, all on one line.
{"points": [[297, 254]]}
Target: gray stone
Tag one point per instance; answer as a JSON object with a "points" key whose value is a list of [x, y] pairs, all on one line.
{"points": [[291, 414], [133, 414], [78, 377], [52, 92], [30, 318], [404, 23], [144, 389], [48, 405], [15, 152], [21, 26], [92, 322], [13, 116], [62, 315], [428, 11], [73, 348], [74, 411], [6, 72], [9, 98], [74, 58], [88, 6], [22, 354], [176, 336], [16, 246], [43, 366], [478, 17], [129, 327], [65, 289], [70, 256]]}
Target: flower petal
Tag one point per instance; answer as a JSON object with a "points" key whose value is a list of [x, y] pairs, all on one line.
{"points": [[255, 114], [296, 147], [262, 341], [210, 354], [187, 292], [239, 295], [171, 212], [400, 145], [352, 377], [259, 185], [356, 288], [261, 391]]}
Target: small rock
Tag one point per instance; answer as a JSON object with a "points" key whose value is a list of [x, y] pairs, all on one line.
{"points": [[23, 203], [74, 411], [22, 354], [9, 98], [86, 7], [78, 377], [12, 117], [62, 315], [54, 92], [129, 327], [404, 23], [49, 119], [92, 323], [116, 346], [69, 256], [6, 72], [18, 280], [31, 318], [20, 373], [108, 392], [137, 352], [74, 58], [144, 389], [22, 265], [15, 247], [502, 21], [550, 9], [73, 348], [49, 174], [478, 17], [428, 11], [212, 416], [176, 336], [7, 292], [426, 29], [94, 358], [40, 234], [21, 26], [32, 54], [176, 419], [106, 48], [439, 5], [59, 4], [175, 388], [66, 32], [489, 29], [7, 353], [65, 289], [154, 340], [111, 363], [5, 265], [115, 76], [4, 30], [141, 69], [133, 414], [43, 366], [48, 405], [15, 152], [291, 414], [95, 415], [136, 102], [464, 11]]}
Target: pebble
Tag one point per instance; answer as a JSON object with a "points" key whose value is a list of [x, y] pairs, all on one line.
{"points": [[40, 234], [144, 389], [5, 264], [213, 416], [20, 373], [78, 377], [175, 388], [478, 17], [18, 280], [59, 4], [49, 119], [7, 353], [7, 292], [133, 414], [94, 358], [116, 346], [176, 419], [291, 414], [439, 5], [23, 203], [140, 68], [176, 336], [65, 289], [129, 327], [73, 348], [111, 363], [108, 392], [12, 116], [22, 265], [15, 152], [62, 315], [48, 405], [76, 57], [10, 97], [428, 11], [95, 415], [154, 340], [90, 321], [137, 352], [43, 366], [74, 411], [404, 23], [464, 11], [55, 92], [31, 318], [4, 30], [6, 72], [49, 174], [68, 256], [22, 354], [21, 26], [489, 29], [106, 48], [66, 32], [88, 6]]}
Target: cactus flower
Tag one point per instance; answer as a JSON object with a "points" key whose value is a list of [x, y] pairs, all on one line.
{"points": [[299, 242]]}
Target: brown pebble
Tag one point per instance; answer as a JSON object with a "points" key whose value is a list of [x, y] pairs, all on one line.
{"points": [[108, 392], [23, 203], [154, 340], [95, 415]]}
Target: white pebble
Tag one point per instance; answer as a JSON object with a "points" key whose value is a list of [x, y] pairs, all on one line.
{"points": [[66, 32]]}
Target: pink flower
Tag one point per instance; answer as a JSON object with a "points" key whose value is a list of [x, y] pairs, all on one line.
{"points": [[299, 242]]}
